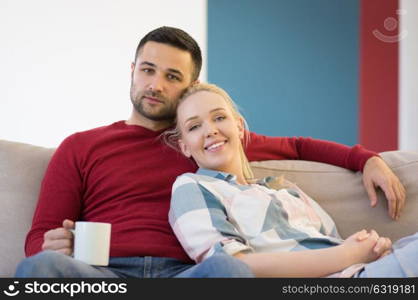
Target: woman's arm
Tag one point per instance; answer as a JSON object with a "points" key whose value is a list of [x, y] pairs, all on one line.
{"points": [[358, 248], [307, 263]]}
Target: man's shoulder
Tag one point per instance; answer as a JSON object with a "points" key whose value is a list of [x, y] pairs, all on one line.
{"points": [[99, 129], [84, 137]]}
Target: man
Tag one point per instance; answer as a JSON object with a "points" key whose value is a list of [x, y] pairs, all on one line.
{"points": [[122, 174]]}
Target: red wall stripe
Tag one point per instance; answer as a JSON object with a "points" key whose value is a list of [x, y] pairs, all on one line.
{"points": [[378, 107]]}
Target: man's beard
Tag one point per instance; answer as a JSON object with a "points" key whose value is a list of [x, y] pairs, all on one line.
{"points": [[166, 113]]}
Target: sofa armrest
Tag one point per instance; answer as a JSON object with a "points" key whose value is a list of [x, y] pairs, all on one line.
{"points": [[22, 168], [342, 194]]}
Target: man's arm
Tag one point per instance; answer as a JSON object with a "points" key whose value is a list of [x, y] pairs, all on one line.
{"points": [[356, 158], [262, 147], [59, 198]]}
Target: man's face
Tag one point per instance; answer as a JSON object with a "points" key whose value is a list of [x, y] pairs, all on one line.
{"points": [[159, 76]]}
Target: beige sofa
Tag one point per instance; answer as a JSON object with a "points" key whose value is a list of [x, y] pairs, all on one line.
{"points": [[338, 190]]}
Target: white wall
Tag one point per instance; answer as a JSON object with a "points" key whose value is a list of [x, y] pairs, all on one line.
{"points": [[65, 65], [408, 76]]}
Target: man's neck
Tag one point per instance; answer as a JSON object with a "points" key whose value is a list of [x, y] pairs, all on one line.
{"points": [[137, 119]]}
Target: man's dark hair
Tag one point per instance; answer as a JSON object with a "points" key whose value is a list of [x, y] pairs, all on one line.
{"points": [[177, 38]]}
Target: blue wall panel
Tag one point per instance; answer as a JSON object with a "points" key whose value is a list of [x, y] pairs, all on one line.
{"points": [[291, 65]]}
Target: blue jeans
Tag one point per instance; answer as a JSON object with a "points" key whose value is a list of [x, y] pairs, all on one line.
{"points": [[55, 265], [402, 262]]}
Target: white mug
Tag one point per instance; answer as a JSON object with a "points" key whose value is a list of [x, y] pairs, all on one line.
{"points": [[92, 242]]}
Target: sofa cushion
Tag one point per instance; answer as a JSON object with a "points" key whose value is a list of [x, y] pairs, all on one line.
{"points": [[341, 192], [22, 167]]}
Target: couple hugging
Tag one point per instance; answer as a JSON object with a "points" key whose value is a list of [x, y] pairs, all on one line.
{"points": [[175, 183]]}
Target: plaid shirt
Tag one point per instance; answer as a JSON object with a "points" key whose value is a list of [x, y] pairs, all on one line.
{"points": [[210, 212]]}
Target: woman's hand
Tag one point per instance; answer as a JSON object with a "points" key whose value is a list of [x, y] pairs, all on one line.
{"points": [[365, 247], [376, 173]]}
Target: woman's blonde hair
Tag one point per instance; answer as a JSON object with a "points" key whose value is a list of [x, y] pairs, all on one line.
{"points": [[172, 136]]}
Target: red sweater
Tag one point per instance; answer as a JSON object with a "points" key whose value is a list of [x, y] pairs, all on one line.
{"points": [[122, 174]]}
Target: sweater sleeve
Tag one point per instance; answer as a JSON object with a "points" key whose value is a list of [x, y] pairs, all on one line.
{"points": [[59, 198], [260, 147]]}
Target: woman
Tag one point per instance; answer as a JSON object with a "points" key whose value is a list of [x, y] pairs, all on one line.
{"points": [[280, 233]]}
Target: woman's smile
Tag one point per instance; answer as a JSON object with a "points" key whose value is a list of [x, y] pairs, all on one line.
{"points": [[216, 146]]}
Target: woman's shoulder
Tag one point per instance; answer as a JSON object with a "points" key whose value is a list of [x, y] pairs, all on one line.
{"points": [[196, 177], [185, 179]]}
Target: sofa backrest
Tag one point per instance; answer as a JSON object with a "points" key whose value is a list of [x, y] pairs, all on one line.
{"points": [[22, 167], [342, 194]]}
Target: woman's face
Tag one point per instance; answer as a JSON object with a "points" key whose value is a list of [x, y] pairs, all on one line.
{"points": [[210, 133]]}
